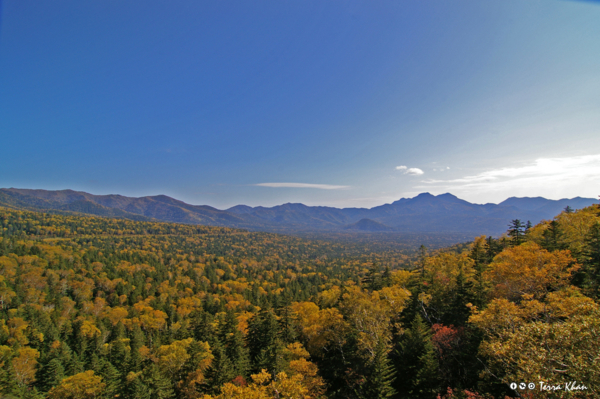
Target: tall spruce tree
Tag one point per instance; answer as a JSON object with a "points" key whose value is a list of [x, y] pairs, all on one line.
{"points": [[52, 374], [591, 261], [516, 232], [221, 369], [110, 377], [233, 341], [552, 237], [264, 344], [422, 259], [372, 280], [381, 375], [136, 389], [417, 364], [459, 312], [158, 384], [286, 325]]}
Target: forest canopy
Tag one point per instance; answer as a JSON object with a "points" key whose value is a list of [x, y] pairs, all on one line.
{"points": [[94, 307]]}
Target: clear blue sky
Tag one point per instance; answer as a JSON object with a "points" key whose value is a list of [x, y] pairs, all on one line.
{"points": [[341, 103]]}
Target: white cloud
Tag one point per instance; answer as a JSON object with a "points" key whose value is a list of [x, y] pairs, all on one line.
{"points": [[549, 177], [410, 171], [302, 185], [414, 171]]}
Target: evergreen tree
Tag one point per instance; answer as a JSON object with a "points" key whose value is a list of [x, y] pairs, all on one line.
{"points": [[422, 258], [386, 277], [417, 363], [264, 345], [286, 325], [75, 365], [110, 377], [231, 337], [221, 369], [381, 376], [479, 255], [552, 237], [372, 280], [136, 342], [120, 356], [202, 324], [136, 389], [591, 261], [52, 374], [460, 313], [158, 384], [516, 232], [492, 248]]}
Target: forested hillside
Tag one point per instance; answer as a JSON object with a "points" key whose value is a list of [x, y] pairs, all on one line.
{"points": [[443, 215], [103, 308]]}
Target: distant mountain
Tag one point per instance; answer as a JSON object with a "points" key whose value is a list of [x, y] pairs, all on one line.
{"points": [[547, 206], [424, 213], [368, 225], [158, 207]]}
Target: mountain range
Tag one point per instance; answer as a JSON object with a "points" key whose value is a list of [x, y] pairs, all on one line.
{"points": [[424, 213]]}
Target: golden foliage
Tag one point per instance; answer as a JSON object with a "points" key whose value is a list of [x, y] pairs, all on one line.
{"points": [[528, 269], [84, 385]]}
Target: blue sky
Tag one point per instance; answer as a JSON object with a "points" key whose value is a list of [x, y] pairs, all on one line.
{"points": [[338, 103]]}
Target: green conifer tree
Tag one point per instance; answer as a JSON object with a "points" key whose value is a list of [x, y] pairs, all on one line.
{"points": [[75, 365], [52, 374], [264, 345], [552, 237], [372, 280], [459, 312], [386, 277], [231, 338], [137, 340], [221, 369], [516, 232], [591, 261], [203, 330], [417, 363], [136, 389], [286, 325], [159, 385], [381, 372], [110, 377], [422, 259], [8, 381]]}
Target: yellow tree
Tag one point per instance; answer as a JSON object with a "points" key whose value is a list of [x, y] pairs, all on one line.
{"points": [[371, 313], [84, 385], [537, 327], [264, 386], [529, 270], [24, 365], [317, 326]]}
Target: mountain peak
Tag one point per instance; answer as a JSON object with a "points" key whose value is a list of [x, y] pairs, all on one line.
{"points": [[446, 195]]}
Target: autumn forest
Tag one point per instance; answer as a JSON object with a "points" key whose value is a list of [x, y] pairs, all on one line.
{"points": [[95, 307]]}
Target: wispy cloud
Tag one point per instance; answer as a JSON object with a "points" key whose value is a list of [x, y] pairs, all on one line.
{"points": [[549, 177], [302, 185], [410, 171]]}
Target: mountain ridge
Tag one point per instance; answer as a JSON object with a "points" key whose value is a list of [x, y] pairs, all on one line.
{"points": [[423, 213]]}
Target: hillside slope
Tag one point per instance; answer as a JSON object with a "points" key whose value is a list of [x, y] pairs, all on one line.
{"points": [[424, 213]]}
